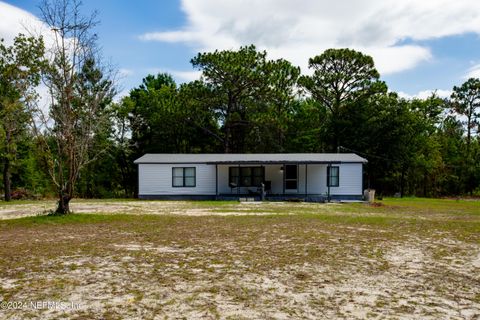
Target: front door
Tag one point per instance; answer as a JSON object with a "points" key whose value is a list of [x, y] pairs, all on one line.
{"points": [[291, 177]]}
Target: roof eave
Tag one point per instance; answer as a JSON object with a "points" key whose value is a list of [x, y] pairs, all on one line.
{"points": [[250, 162]]}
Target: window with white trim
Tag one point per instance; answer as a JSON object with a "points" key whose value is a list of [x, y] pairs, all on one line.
{"points": [[183, 177], [333, 176]]}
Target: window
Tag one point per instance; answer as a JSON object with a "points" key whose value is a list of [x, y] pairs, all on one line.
{"points": [[234, 176], [183, 177], [291, 171], [257, 176], [246, 176], [333, 176]]}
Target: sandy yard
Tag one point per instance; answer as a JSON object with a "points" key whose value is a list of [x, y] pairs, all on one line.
{"points": [[188, 208], [409, 259]]}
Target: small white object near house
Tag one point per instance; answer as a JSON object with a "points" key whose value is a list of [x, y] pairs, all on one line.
{"points": [[306, 176], [369, 195]]}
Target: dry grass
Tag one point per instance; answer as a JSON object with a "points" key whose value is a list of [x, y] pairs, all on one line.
{"points": [[406, 259]]}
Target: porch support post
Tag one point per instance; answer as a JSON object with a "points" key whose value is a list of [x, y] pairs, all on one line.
{"points": [[216, 181], [328, 180], [306, 181], [298, 177], [284, 170], [239, 179]]}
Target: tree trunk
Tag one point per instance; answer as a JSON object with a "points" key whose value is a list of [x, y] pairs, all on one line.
{"points": [[402, 182], [227, 142], [89, 186], [6, 179], [425, 179], [469, 133], [123, 172], [6, 168], [63, 204]]}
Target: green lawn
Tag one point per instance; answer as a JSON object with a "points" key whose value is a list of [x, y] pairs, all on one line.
{"points": [[405, 258]]}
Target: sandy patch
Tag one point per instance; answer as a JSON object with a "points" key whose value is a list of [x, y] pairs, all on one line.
{"points": [[148, 247], [405, 290], [254, 268], [187, 208]]}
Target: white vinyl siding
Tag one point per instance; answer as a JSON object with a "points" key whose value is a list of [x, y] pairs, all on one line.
{"points": [[350, 179], [316, 182], [275, 175], [156, 179]]}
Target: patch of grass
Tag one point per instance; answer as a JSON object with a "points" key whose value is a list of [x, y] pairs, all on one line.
{"points": [[433, 205], [477, 297], [23, 202], [213, 203], [109, 200], [67, 219], [295, 259], [302, 276]]}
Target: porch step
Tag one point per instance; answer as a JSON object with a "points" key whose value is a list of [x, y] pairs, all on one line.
{"points": [[246, 199]]}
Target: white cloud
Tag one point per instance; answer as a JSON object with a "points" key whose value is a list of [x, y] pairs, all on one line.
{"points": [[14, 20], [405, 95], [424, 94], [473, 72], [124, 72], [180, 76], [44, 100], [120, 95], [174, 36], [439, 92], [186, 76], [393, 59], [297, 30]]}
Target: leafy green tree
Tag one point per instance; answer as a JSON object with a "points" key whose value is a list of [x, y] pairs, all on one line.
{"points": [[466, 102], [341, 77], [166, 118], [122, 151], [427, 162], [200, 119], [154, 115], [94, 93], [29, 173], [308, 127], [272, 116], [20, 68], [371, 128], [242, 81], [452, 149]]}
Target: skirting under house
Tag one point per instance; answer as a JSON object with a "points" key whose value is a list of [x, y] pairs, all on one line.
{"points": [[281, 176]]}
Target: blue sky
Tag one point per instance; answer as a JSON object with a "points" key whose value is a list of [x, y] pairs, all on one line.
{"points": [[418, 46]]}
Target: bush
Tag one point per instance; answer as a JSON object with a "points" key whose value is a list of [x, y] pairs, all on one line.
{"points": [[23, 194]]}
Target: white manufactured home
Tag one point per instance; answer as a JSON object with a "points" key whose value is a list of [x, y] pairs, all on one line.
{"points": [[277, 176]]}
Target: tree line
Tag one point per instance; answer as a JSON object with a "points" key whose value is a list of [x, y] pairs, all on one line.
{"points": [[85, 143]]}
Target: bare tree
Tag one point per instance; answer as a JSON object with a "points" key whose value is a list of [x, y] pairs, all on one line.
{"points": [[80, 90]]}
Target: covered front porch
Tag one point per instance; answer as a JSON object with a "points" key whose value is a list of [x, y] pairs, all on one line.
{"points": [[274, 181]]}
